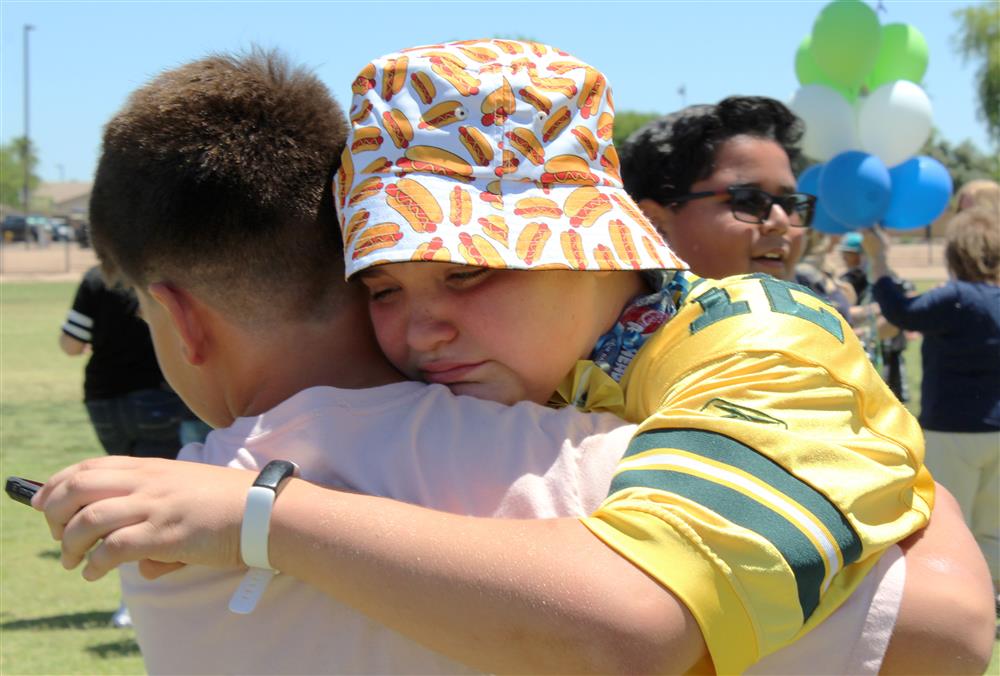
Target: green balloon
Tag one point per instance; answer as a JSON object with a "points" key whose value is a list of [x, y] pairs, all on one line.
{"points": [[902, 55], [806, 69], [845, 41], [809, 73]]}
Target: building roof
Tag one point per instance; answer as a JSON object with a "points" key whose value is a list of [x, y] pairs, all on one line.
{"points": [[8, 210], [60, 192]]}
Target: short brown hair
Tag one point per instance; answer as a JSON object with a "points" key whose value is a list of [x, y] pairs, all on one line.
{"points": [[216, 175], [973, 247]]}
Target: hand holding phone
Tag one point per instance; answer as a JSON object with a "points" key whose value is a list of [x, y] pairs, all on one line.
{"points": [[22, 490]]}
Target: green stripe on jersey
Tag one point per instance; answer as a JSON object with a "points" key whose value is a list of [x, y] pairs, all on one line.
{"points": [[727, 451], [802, 556]]}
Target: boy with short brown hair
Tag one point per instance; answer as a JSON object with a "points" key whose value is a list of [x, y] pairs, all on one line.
{"points": [[257, 201]]}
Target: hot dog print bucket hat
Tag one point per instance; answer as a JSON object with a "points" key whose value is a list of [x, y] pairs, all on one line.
{"points": [[493, 153]]}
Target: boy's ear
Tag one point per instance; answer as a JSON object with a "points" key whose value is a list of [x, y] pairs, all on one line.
{"points": [[659, 215], [186, 316]]}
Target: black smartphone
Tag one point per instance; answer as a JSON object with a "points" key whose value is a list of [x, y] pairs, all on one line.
{"points": [[22, 490]]}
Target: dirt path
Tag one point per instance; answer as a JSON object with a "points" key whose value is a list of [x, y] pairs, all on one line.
{"points": [[58, 262]]}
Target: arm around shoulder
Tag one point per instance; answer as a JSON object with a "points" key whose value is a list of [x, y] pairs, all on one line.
{"points": [[502, 595]]}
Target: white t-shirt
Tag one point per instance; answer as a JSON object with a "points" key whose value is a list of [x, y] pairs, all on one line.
{"points": [[420, 444]]}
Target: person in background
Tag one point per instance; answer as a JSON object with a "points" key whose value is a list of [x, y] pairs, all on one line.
{"points": [[814, 273], [980, 192], [131, 408], [852, 255], [709, 178], [688, 152], [883, 340], [716, 181], [960, 391]]}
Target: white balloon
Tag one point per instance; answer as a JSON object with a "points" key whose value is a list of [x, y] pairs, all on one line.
{"points": [[829, 120], [895, 121]]}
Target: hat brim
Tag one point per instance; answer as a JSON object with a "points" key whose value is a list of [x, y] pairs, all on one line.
{"points": [[422, 217]]}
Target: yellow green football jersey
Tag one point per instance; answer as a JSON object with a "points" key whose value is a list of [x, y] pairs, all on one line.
{"points": [[771, 467]]}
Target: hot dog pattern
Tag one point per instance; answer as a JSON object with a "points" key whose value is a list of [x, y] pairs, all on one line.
{"points": [[460, 204], [488, 152]]}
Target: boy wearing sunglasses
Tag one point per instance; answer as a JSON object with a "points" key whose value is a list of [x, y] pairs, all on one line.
{"points": [[717, 182]]}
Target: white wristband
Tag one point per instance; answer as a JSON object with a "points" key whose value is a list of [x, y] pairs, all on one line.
{"points": [[254, 535], [256, 527]]}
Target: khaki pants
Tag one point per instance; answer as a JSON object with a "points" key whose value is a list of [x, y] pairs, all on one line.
{"points": [[966, 463]]}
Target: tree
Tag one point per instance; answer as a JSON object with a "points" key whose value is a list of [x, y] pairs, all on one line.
{"points": [[627, 121], [12, 171], [978, 40], [964, 161]]}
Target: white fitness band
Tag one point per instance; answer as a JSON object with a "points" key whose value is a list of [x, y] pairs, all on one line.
{"points": [[254, 535]]}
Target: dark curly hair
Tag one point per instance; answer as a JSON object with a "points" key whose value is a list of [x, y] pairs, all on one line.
{"points": [[662, 159], [215, 175]]}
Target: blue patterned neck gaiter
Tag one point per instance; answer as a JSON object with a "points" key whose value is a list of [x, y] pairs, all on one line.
{"points": [[639, 320]]}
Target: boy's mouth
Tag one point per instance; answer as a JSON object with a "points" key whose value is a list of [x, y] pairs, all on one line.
{"points": [[771, 259], [447, 373]]}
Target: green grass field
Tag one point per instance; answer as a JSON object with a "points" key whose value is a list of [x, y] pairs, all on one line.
{"points": [[51, 621]]}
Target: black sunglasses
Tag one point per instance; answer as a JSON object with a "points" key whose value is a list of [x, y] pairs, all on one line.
{"points": [[753, 205]]}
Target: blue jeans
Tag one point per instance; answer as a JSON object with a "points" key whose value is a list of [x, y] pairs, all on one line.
{"points": [[144, 423]]}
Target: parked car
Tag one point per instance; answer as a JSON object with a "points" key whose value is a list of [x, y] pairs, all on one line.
{"points": [[41, 229], [62, 231], [15, 229]]}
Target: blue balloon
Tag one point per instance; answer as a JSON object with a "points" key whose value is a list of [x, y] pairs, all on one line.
{"points": [[921, 188], [855, 188], [809, 180], [822, 220]]}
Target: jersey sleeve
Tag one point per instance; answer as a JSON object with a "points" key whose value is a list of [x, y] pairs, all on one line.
{"points": [[771, 469], [79, 323]]}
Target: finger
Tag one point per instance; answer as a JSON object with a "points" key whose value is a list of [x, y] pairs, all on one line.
{"points": [[152, 570], [81, 488], [135, 542], [39, 501], [96, 521], [67, 473]]}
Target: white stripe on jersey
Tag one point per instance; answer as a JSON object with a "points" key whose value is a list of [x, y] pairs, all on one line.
{"points": [[77, 332], [80, 319], [765, 495]]}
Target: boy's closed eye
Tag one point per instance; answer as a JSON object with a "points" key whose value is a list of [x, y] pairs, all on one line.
{"points": [[466, 276], [381, 285], [379, 291], [378, 284]]}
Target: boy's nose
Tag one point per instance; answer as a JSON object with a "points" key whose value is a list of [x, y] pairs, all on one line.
{"points": [[777, 221], [428, 331]]}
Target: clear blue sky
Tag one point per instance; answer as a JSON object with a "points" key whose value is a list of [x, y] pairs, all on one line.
{"points": [[85, 57]]}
